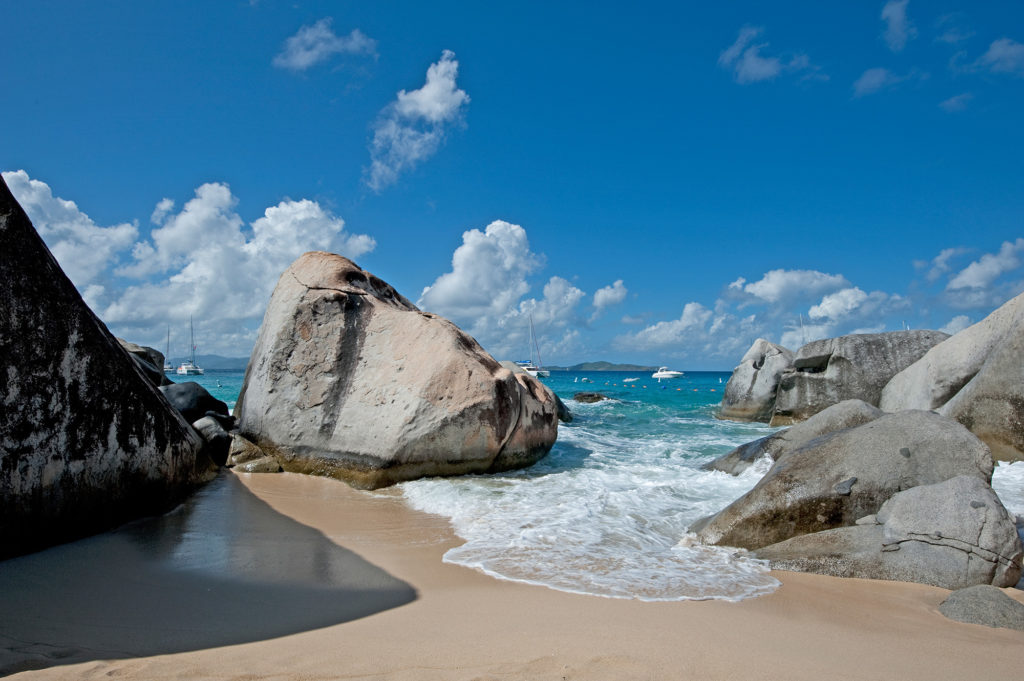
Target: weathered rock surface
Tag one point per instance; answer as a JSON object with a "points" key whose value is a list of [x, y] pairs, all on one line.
{"points": [[952, 534], [857, 366], [86, 441], [564, 415], [835, 479], [349, 379], [246, 457], [846, 414], [984, 605], [150, 360], [976, 377], [589, 397], [750, 392], [193, 400], [216, 440]]}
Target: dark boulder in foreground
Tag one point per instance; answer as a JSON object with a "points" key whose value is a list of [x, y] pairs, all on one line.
{"points": [[86, 441], [150, 360], [833, 480], [857, 366], [750, 392], [350, 380], [984, 605], [193, 401], [952, 534]]}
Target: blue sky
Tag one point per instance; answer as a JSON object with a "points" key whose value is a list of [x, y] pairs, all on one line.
{"points": [[660, 183]]}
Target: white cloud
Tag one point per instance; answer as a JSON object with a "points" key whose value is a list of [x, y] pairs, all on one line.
{"points": [[677, 332], [839, 304], [200, 262], [749, 65], [983, 272], [940, 263], [799, 334], [956, 103], [84, 249], [956, 324], [318, 42], [874, 80], [609, 295], [412, 128], [1004, 56], [898, 29], [783, 285], [164, 207]]}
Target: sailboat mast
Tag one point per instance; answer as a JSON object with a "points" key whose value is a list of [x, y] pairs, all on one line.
{"points": [[535, 348]]}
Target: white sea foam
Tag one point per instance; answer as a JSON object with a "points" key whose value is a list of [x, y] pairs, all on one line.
{"points": [[606, 512], [1008, 483]]}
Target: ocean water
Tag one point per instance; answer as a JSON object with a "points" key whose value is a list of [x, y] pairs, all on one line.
{"points": [[606, 512]]}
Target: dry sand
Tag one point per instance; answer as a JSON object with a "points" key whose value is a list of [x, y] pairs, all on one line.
{"points": [[460, 624]]}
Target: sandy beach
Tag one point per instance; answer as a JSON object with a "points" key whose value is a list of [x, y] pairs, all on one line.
{"points": [[394, 610]]}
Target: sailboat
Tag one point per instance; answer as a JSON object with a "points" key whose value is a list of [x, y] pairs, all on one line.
{"points": [[189, 367], [167, 355], [534, 368]]}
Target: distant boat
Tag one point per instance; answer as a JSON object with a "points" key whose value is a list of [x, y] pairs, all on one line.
{"points": [[167, 355], [629, 380], [189, 367], [665, 372], [535, 369]]}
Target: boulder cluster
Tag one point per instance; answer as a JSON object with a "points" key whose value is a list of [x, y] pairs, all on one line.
{"points": [[886, 470]]}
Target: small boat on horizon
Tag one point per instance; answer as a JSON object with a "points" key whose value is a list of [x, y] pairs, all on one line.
{"points": [[534, 368], [189, 367], [665, 372]]}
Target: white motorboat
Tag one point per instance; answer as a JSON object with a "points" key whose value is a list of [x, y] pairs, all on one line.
{"points": [[189, 367], [665, 372]]}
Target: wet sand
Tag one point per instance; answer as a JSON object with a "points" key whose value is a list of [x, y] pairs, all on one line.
{"points": [[403, 614]]}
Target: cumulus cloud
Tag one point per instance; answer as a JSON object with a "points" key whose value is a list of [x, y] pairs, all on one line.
{"points": [[201, 261], [1004, 56], [839, 304], [318, 42], [983, 272], [898, 29], [956, 103], [939, 265], [84, 249], [163, 207], [784, 285], [691, 323], [748, 65], [851, 304], [412, 128], [609, 295]]}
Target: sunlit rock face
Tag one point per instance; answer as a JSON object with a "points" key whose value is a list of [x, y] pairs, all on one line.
{"points": [[857, 366], [750, 392], [350, 380], [976, 377], [86, 441]]}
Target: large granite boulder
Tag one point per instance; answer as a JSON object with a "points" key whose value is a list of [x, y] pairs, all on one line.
{"points": [[194, 401], [349, 379], [86, 441], [846, 414], [835, 479], [951, 534], [976, 377], [848, 367], [750, 392]]}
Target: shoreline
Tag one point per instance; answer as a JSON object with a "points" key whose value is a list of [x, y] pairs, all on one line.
{"points": [[463, 624]]}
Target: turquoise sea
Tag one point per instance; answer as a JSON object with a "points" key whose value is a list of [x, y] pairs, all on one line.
{"points": [[606, 512]]}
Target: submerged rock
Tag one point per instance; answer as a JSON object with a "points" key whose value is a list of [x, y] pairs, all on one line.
{"points": [[86, 441], [833, 480], [846, 414], [750, 392], [349, 379], [857, 366], [194, 401], [951, 534], [588, 397]]}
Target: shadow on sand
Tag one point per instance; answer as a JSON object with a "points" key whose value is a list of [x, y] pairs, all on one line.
{"points": [[223, 568]]}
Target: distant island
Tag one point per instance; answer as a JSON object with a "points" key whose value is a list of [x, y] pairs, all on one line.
{"points": [[603, 366]]}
